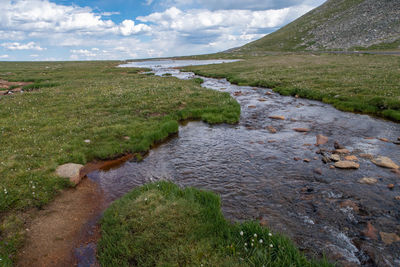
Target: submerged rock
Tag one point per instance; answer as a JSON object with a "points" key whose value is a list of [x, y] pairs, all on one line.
{"points": [[301, 130], [389, 238], [345, 164], [277, 117], [338, 146], [271, 129], [366, 156], [370, 231], [321, 140], [385, 162], [70, 171], [368, 180]]}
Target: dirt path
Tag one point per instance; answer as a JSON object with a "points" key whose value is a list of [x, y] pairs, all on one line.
{"points": [[61, 226]]}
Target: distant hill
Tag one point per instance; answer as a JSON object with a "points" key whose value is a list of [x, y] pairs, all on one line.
{"points": [[338, 25]]}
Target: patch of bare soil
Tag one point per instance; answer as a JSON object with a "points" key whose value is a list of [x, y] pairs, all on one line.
{"points": [[61, 226], [7, 87]]}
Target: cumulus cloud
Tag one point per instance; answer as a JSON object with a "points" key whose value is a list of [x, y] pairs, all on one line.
{"points": [[19, 46], [4, 56], [42, 16]]}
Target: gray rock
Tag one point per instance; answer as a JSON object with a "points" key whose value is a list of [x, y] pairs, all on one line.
{"points": [[70, 171]]}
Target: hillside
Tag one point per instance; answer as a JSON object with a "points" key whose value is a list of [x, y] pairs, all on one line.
{"points": [[338, 25]]}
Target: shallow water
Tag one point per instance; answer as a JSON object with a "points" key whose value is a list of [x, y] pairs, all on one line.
{"points": [[323, 210]]}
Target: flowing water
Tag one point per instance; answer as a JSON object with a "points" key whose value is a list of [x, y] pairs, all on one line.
{"points": [[262, 175]]}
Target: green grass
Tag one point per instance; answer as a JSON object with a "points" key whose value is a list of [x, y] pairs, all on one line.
{"points": [[161, 224], [357, 83], [73, 101]]}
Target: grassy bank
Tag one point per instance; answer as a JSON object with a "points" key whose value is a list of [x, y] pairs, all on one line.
{"points": [[117, 109], [161, 224], [358, 83]]}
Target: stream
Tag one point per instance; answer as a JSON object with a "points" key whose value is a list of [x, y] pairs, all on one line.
{"points": [[265, 170]]}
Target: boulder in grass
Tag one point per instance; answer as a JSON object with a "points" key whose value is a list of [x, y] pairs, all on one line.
{"points": [[70, 171]]}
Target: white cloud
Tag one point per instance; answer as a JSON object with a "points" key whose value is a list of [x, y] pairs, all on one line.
{"points": [[38, 17], [19, 46], [4, 56], [128, 27]]}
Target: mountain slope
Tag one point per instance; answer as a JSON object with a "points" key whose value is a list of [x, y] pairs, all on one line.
{"points": [[338, 24]]}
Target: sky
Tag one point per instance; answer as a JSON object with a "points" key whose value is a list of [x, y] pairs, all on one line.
{"points": [[50, 30]]}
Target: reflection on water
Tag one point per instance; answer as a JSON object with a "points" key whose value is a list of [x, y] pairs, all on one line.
{"points": [[262, 175]]}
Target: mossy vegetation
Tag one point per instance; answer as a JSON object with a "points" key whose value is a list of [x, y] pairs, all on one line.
{"points": [[161, 224], [357, 83], [75, 101]]}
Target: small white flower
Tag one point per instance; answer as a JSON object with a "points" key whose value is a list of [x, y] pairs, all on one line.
{"points": [[241, 233], [145, 199], [269, 234], [33, 187], [255, 235], [271, 246], [252, 244], [245, 244], [261, 241], [33, 193], [252, 240]]}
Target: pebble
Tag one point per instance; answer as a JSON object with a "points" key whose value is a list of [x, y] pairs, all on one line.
{"points": [[318, 171], [271, 129], [334, 157], [251, 106], [338, 146], [268, 93], [390, 186], [296, 159], [370, 231], [366, 156], [262, 99], [389, 238], [307, 160], [332, 167], [384, 139]]}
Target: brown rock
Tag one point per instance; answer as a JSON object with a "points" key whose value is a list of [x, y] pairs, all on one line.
{"points": [[351, 158], [347, 165], [321, 140], [268, 93], [384, 139], [370, 231], [332, 167], [70, 171], [296, 159], [301, 130], [397, 197], [398, 138], [341, 151], [307, 145], [390, 186], [277, 117], [334, 157], [368, 180], [271, 141], [3, 92], [385, 162], [389, 238], [296, 96], [260, 142], [351, 204], [251, 106], [307, 160], [237, 93], [271, 129], [366, 156], [262, 99]]}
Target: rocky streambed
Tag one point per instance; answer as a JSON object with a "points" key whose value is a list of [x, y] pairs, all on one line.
{"points": [[326, 178]]}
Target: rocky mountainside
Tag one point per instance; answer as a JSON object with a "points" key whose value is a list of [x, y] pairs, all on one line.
{"points": [[338, 25]]}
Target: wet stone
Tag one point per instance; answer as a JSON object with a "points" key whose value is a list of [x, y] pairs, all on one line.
{"points": [[384, 139], [338, 146], [318, 171], [351, 204], [370, 231], [301, 130], [366, 156], [252, 106], [271, 129], [341, 151], [368, 180], [262, 99], [277, 117], [351, 158], [321, 140], [334, 157], [390, 186], [385, 162], [307, 160], [345, 164]]}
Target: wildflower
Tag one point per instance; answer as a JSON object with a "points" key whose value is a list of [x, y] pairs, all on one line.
{"points": [[269, 234], [145, 199], [255, 235], [261, 241], [252, 240], [241, 233], [33, 193], [271, 246], [33, 187], [245, 244], [252, 244]]}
